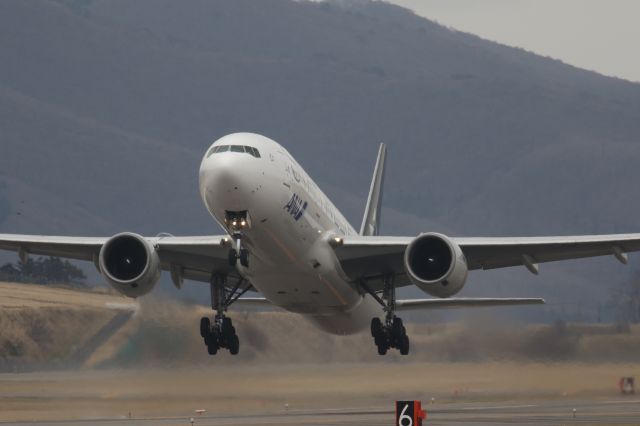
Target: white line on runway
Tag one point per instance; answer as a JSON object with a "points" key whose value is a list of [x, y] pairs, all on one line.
{"points": [[499, 407]]}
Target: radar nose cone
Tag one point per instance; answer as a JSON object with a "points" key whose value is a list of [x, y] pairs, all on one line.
{"points": [[225, 180]]}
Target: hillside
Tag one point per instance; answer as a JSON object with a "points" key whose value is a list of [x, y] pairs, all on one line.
{"points": [[44, 328], [107, 106]]}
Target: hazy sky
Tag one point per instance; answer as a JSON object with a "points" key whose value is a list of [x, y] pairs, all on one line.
{"points": [[603, 36]]}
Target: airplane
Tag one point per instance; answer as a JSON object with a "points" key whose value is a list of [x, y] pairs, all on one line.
{"points": [[285, 239]]}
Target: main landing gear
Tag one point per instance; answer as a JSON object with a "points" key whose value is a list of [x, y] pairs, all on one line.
{"points": [[219, 332], [236, 222], [391, 333]]}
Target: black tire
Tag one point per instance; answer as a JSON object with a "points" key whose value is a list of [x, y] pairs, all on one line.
{"points": [[404, 346], [244, 257], [205, 326], [227, 327], [397, 326], [212, 348], [209, 338], [376, 328], [233, 257], [382, 349], [234, 347]]}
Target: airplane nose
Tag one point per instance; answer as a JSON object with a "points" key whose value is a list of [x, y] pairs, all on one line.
{"points": [[220, 170], [224, 181]]}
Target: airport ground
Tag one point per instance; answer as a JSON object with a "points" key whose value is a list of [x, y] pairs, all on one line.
{"points": [[85, 358], [453, 393]]}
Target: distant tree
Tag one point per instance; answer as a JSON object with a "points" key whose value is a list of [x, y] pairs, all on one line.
{"points": [[44, 270], [625, 299], [8, 272]]}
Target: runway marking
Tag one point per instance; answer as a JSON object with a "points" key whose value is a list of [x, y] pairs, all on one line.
{"points": [[499, 407]]}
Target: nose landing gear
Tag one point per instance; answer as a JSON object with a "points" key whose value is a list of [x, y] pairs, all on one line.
{"points": [[237, 222], [238, 253]]}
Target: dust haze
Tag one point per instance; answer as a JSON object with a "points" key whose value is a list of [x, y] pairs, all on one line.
{"points": [[58, 328]]}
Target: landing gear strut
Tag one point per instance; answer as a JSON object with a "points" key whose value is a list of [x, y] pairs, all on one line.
{"points": [[391, 333], [219, 331], [236, 222], [238, 252]]}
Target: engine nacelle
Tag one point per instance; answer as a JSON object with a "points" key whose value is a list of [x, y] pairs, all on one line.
{"points": [[130, 264], [436, 265]]}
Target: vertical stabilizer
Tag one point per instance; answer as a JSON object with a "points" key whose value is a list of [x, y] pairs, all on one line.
{"points": [[371, 220]]}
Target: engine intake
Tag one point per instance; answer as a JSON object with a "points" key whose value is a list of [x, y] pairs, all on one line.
{"points": [[436, 265], [130, 264]]}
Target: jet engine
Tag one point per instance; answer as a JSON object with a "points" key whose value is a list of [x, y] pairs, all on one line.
{"points": [[436, 265], [130, 264]]}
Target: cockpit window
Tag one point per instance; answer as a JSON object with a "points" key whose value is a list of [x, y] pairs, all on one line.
{"points": [[253, 151], [234, 148]]}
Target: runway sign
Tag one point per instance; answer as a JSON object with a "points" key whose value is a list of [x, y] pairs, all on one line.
{"points": [[409, 413]]}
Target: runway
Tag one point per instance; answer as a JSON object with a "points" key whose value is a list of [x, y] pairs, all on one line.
{"points": [[620, 411]]}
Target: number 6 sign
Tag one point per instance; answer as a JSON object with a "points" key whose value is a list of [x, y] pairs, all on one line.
{"points": [[409, 413]]}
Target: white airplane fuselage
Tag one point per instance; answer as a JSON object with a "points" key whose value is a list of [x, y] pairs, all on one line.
{"points": [[291, 223]]}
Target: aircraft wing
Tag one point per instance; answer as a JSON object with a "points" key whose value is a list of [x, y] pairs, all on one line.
{"points": [[370, 257], [191, 258]]}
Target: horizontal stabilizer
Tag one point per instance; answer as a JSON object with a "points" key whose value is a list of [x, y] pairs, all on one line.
{"points": [[404, 305], [251, 301]]}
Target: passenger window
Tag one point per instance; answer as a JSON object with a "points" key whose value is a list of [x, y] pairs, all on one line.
{"points": [[237, 148]]}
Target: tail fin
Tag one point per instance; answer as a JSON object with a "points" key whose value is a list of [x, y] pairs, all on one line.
{"points": [[371, 220]]}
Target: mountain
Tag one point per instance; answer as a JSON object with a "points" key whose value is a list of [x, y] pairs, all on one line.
{"points": [[106, 108]]}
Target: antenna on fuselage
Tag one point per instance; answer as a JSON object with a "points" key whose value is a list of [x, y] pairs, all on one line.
{"points": [[371, 220]]}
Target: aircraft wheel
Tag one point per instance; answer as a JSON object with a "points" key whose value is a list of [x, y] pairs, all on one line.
{"points": [[404, 345], [233, 257], [397, 332], [234, 347], [205, 326], [244, 257], [212, 348], [376, 327], [382, 349], [397, 327], [209, 338], [227, 325]]}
